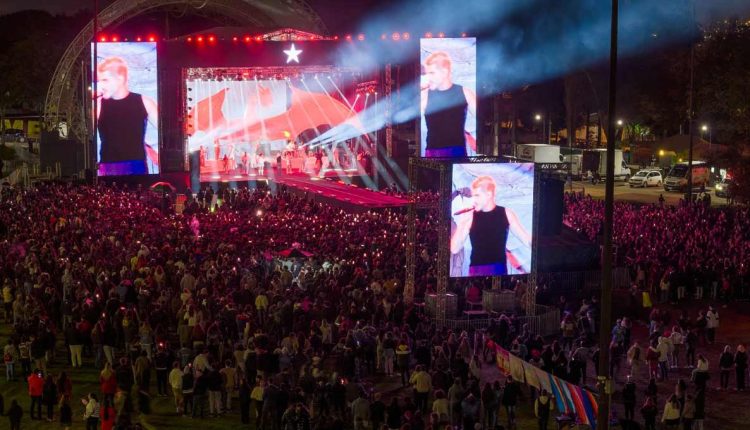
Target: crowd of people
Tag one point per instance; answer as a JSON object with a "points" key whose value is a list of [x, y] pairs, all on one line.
{"points": [[700, 251], [110, 280]]}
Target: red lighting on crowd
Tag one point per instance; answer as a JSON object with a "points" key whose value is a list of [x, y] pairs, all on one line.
{"points": [[200, 38], [428, 35], [406, 36], [361, 37], [396, 36]]}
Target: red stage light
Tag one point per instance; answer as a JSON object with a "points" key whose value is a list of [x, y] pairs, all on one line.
{"points": [[463, 34], [348, 37], [103, 39], [211, 38], [115, 38], [189, 39], [396, 36], [258, 38], [441, 34], [200, 38], [406, 36], [138, 39], [152, 39], [335, 38], [248, 38], [382, 37], [234, 38], [428, 35], [361, 37]]}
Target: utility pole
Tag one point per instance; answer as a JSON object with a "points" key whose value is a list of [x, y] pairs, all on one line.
{"points": [[604, 381], [689, 191]]}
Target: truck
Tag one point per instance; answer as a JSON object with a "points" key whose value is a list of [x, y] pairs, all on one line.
{"points": [[538, 152], [575, 164], [595, 160], [677, 178]]}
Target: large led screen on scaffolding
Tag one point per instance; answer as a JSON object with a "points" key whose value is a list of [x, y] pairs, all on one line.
{"points": [[448, 102], [126, 106], [492, 211], [243, 127]]}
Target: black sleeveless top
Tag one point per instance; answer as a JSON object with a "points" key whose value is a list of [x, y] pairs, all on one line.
{"points": [[122, 129], [445, 116], [489, 234]]}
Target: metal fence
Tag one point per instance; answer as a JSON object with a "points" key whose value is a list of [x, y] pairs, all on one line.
{"points": [[546, 322]]}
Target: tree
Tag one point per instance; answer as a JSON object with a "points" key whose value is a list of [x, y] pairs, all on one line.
{"points": [[723, 81]]}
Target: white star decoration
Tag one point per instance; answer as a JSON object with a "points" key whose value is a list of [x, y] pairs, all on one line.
{"points": [[292, 54]]}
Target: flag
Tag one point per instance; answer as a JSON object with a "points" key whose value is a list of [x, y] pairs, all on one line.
{"points": [[516, 368], [591, 406], [503, 360], [557, 391], [543, 378], [530, 374]]}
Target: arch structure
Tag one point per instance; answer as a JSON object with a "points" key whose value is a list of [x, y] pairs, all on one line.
{"points": [[66, 93]]}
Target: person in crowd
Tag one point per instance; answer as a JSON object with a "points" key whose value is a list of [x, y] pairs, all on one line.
{"points": [[543, 406], [671, 416], [15, 413], [91, 413], [726, 361], [36, 391]]}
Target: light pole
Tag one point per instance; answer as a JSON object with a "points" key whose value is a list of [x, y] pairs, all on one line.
{"points": [[538, 118], [705, 128]]}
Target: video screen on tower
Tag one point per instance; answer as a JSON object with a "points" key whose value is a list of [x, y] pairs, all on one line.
{"points": [[126, 105], [241, 127], [492, 209], [448, 101]]}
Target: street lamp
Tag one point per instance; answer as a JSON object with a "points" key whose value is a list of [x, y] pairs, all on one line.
{"points": [[538, 118], [705, 128]]}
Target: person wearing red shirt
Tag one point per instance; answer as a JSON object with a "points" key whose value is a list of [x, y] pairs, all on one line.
{"points": [[36, 389]]}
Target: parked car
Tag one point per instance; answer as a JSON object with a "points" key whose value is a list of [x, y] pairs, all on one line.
{"points": [[722, 188], [646, 178], [14, 135]]}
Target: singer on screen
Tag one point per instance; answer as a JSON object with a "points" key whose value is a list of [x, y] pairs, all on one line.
{"points": [[122, 117], [445, 105], [486, 225]]}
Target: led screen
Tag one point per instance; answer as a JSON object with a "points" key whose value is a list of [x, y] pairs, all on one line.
{"points": [[126, 106], [251, 128], [492, 211], [448, 97]]}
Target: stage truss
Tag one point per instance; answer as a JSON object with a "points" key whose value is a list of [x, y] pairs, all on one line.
{"points": [[541, 170]]}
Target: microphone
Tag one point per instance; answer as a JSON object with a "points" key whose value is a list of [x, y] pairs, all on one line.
{"points": [[463, 211]]}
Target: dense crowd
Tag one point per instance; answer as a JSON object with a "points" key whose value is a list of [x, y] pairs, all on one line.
{"points": [[698, 249], [288, 311]]}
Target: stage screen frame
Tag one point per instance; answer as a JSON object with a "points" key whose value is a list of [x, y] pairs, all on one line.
{"points": [[141, 77], [462, 56], [514, 188]]}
